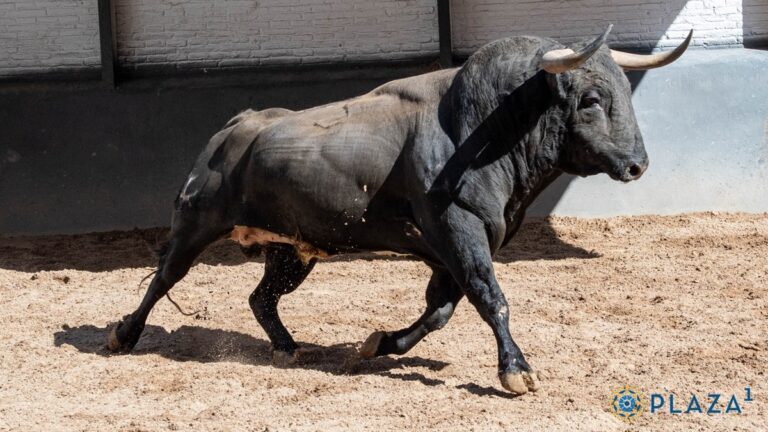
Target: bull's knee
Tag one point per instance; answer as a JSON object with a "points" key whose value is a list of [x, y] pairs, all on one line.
{"points": [[439, 318]]}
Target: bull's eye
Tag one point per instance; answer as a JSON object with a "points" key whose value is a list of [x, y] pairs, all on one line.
{"points": [[590, 99]]}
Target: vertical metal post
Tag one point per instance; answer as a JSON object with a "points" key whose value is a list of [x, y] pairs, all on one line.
{"points": [[444, 32], [107, 41]]}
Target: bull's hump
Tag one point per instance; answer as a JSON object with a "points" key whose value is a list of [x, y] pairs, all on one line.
{"points": [[421, 89], [361, 121]]}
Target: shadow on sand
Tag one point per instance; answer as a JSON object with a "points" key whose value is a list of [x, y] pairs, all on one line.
{"points": [[98, 252], [204, 345]]}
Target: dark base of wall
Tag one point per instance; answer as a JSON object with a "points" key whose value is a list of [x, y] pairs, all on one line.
{"points": [[759, 42], [82, 156]]}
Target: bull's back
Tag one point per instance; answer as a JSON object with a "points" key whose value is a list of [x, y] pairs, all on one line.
{"points": [[330, 175]]}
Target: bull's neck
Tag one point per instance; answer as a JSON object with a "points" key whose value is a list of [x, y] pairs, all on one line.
{"points": [[532, 158], [518, 138]]}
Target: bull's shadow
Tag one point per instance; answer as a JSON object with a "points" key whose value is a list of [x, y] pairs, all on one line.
{"points": [[205, 345], [98, 252], [538, 240]]}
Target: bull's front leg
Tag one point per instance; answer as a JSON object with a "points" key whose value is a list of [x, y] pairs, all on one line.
{"points": [[461, 241]]}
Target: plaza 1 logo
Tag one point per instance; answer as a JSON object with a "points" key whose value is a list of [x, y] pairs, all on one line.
{"points": [[628, 403]]}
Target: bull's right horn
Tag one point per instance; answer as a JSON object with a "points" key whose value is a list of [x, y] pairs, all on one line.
{"points": [[649, 61], [562, 60]]}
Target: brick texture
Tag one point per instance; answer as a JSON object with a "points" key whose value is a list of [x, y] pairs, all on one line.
{"points": [[214, 33], [48, 35], [637, 24]]}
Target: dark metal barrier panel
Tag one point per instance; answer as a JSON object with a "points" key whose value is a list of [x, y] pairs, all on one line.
{"points": [[755, 26]]}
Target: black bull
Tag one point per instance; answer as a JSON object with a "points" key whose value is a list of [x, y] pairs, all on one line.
{"points": [[440, 166]]}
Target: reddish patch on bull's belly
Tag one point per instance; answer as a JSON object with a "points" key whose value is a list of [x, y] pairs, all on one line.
{"points": [[248, 236]]}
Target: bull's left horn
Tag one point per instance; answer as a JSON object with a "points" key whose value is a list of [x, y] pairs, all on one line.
{"points": [[642, 62], [562, 60]]}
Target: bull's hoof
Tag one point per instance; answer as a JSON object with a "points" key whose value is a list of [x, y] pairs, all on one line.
{"points": [[299, 356], [123, 337], [371, 345], [283, 359], [112, 343], [520, 383]]}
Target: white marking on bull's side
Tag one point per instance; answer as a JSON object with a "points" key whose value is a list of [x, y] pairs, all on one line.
{"points": [[365, 188], [248, 236]]}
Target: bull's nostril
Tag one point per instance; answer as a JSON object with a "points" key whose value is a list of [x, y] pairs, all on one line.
{"points": [[635, 170]]}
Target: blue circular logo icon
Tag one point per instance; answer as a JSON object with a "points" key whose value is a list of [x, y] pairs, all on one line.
{"points": [[627, 403]]}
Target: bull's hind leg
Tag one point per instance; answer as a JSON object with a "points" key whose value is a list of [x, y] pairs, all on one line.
{"points": [[190, 234], [283, 273], [442, 296]]}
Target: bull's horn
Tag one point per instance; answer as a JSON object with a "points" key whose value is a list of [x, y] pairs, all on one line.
{"points": [[642, 62], [562, 60]]}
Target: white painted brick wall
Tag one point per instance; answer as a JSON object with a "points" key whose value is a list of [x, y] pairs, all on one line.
{"points": [[637, 23], [255, 32], [46, 35]]}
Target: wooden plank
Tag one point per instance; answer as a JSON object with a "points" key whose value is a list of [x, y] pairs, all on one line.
{"points": [[444, 32]]}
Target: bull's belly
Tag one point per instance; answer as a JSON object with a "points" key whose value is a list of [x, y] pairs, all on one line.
{"points": [[398, 238], [249, 236], [333, 220]]}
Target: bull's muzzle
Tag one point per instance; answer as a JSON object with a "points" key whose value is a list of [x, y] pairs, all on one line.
{"points": [[633, 170]]}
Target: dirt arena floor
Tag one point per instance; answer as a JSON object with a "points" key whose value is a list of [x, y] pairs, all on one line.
{"points": [[667, 304]]}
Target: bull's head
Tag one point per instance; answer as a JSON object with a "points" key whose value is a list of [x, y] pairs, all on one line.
{"points": [[602, 133]]}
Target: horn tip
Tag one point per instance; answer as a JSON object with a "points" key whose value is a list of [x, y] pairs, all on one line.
{"points": [[607, 31], [684, 46]]}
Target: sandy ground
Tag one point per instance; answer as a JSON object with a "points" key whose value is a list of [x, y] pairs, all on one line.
{"points": [[667, 304]]}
